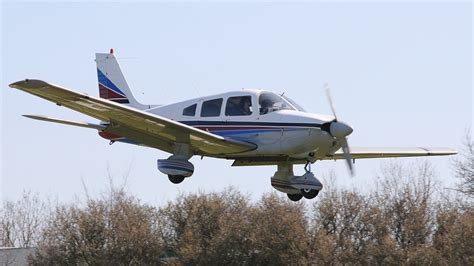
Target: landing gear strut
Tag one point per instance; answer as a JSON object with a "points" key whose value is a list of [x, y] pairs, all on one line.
{"points": [[307, 167], [306, 192]]}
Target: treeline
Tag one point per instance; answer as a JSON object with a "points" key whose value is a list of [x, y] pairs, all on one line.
{"points": [[407, 218]]}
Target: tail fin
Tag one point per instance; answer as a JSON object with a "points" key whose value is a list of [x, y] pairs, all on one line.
{"points": [[112, 83]]}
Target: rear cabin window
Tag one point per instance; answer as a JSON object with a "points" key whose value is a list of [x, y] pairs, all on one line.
{"points": [[211, 108], [190, 110], [238, 106]]}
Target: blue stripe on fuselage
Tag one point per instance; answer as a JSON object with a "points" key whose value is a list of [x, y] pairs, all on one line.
{"points": [[250, 131], [229, 131], [226, 132], [249, 124]]}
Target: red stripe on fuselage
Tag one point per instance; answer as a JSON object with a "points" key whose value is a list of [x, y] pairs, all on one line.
{"points": [[232, 128]]}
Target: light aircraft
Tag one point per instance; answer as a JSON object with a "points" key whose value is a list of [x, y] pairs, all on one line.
{"points": [[251, 127]]}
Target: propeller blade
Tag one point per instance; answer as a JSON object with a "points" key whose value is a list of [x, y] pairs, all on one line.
{"points": [[340, 130], [331, 104], [347, 155]]}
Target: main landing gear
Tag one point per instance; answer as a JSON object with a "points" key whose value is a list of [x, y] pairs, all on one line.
{"points": [[177, 167], [296, 187]]}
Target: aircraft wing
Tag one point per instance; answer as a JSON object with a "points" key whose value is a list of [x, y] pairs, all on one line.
{"points": [[365, 153], [357, 153], [136, 125]]}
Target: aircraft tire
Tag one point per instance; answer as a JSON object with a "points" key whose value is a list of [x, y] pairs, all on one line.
{"points": [[309, 193], [176, 179], [294, 197]]}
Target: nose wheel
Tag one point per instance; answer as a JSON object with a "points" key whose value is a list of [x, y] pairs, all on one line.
{"points": [[309, 193], [294, 197]]}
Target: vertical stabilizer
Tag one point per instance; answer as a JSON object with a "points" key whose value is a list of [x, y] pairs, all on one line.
{"points": [[112, 83]]}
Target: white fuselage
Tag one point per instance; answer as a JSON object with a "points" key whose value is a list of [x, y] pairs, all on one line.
{"points": [[287, 131]]}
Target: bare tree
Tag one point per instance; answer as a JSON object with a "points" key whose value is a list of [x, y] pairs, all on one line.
{"points": [[349, 227], [208, 228], [406, 195], [453, 237], [279, 232], [404, 220], [21, 221], [464, 166], [225, 228], [117, 229]]}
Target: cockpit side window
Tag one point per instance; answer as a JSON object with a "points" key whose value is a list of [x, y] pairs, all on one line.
{"points": [[211, 108], [239, 106], [190, 110], [270, 102]]}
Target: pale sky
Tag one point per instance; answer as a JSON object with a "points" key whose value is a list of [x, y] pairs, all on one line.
{"points": [[401, 75]]}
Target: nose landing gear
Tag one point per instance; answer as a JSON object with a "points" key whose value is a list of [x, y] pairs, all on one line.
{"points": [[296, 187], [308, 192]]}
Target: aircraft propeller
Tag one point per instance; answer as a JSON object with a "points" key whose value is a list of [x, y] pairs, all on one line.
{"points": [[340, 130]]}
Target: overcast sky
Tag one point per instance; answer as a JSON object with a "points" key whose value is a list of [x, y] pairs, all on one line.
{"points": [[401, 75]]}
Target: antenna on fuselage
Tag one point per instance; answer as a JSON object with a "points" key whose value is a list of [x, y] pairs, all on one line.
{"points": [[197, 90]]}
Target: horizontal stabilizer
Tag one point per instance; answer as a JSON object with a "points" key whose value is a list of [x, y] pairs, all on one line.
{"points": [[66, 122]]}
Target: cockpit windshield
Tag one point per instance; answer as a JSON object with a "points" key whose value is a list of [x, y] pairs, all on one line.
{"points": [[297, 106], [270, 102]]}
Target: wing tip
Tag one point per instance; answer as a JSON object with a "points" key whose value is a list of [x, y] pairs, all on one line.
{"points": [[28, 84], [440, 151], [36, 117], [448, 151]]}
